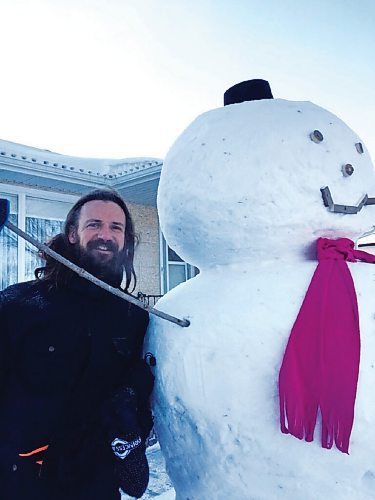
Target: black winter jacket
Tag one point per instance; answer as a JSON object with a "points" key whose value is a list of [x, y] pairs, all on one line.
{"points": [[64, 355]]}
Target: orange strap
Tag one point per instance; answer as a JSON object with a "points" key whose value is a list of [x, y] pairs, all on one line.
{"points": [[34, 452]]}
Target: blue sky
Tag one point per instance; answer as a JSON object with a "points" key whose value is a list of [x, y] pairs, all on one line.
{"points": [[122, 78]]}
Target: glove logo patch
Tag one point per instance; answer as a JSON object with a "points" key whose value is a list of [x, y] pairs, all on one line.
{"points": [[121, 448]]}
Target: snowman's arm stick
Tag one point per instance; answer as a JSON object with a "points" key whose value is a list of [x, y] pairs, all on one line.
{"points": [[84, 274]]}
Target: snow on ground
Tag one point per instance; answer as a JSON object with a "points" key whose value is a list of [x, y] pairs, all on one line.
{"points": [[160, 485]]}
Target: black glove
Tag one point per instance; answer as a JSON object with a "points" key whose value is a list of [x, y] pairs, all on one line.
{"points": [[124, 436], [131, 468]]}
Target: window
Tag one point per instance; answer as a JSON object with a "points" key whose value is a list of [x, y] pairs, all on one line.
{"points": [[42, 230], [367, 242], [42, 216], [44, 219], [173, 269], [177, 269], [8, 247]]}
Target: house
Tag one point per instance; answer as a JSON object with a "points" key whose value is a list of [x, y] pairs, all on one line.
{"points": [[42, 186]]}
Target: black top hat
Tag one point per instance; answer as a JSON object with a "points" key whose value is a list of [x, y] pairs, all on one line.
{"points": [[250, 90]]}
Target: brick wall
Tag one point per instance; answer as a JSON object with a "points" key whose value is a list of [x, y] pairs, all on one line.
{"points": [[147, 261]]}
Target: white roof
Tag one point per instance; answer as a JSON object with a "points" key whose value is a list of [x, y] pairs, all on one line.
{"points": [[26, 165]]}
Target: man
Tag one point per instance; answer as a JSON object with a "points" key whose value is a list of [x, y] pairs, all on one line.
{"points": [[74, 391]]}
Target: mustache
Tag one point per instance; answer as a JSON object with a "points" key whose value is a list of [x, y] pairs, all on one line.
{"points": [[109, 245]]}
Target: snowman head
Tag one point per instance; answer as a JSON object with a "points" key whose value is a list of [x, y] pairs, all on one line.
{"points": [[262, 180]]}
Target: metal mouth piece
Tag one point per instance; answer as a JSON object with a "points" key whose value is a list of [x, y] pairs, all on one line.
{"points": [[344, 209]]}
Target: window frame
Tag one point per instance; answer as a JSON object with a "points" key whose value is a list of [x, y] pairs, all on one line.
{"points": [[190, 271], [22, 193]]}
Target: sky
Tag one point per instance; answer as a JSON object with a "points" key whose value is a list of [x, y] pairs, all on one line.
{"points": [[123, 78]]}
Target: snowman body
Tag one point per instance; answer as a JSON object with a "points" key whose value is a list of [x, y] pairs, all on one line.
{"points": [[240, 198]]}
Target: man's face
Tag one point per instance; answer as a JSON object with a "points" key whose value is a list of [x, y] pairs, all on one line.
{"points": [[100, 234]]}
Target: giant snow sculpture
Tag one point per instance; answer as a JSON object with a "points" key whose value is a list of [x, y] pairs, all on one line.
{"points": [[240, 198]]}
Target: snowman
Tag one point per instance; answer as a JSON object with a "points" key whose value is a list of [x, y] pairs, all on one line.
{"points": [[245, 193]]}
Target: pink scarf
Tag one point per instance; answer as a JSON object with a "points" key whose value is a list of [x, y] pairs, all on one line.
{"points": [[321, 361]]}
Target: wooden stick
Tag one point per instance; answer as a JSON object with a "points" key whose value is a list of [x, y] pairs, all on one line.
{"points": [[84, 274]]}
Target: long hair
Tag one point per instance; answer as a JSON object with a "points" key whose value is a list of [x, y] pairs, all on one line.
{"points": [[56, 273]]}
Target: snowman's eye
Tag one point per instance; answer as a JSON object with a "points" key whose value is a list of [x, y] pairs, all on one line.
{"points": [[347, 170], [316, 136], [359, 147]]}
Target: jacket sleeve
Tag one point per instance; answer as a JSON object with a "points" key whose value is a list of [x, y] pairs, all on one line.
{"points": [[139, 376], [141, 323], [5, 359], [130, 420], [141, 380]]}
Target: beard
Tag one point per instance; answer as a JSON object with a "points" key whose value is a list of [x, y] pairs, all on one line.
{"points": [[108, 268]]}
